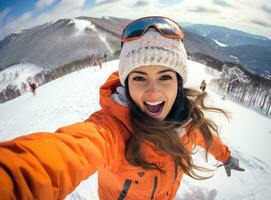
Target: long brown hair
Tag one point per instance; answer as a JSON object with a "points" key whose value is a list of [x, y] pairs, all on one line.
{"points": [[188, 107]]}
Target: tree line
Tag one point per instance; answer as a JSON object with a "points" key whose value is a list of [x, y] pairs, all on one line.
{"points": [[238, 84], [233, 81], [13, 91]]}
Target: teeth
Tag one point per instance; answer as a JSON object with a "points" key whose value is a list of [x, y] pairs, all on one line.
{"points": [[154, 103]]}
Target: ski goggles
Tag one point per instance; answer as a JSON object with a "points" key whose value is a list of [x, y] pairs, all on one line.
{"points": [[167, 27]]}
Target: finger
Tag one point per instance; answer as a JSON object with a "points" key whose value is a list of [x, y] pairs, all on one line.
{"points": [[239, 168], [236, 167], [228, 171]]}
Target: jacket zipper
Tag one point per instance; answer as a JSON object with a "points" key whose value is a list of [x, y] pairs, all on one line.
{"points": [[175, 172], [154, 187], [125, 189]]}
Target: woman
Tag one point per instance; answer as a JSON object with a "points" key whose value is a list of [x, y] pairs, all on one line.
{"points": [[141, 140]]}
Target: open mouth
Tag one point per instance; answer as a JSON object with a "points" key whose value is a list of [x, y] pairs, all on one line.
{"points": [[153, 109]]}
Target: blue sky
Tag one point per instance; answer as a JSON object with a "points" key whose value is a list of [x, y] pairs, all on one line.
{"points": [[17, 8], [252, 16]]}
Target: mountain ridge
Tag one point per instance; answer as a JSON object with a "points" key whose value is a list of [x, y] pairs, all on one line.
{"points": [[63, 46]]}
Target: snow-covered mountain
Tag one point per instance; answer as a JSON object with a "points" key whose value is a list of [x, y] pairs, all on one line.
{"points": [[251, 51], [228, 36], [74, 97], [57, 43], [66, 45], [55, 48], [18, 73]]}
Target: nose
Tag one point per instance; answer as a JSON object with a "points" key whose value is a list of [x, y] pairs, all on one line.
{"points": [[152, 89]]}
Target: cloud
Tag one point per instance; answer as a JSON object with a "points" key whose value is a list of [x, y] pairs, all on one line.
{"points": [[101, 2], [19, 22], [266, 8], [43, 3], [222, 3], [4, 13], [65, 6], [141, 3], [261, 23], [201, 9], [237, 15], [63, 9]]}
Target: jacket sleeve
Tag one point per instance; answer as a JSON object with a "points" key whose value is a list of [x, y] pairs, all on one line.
{"points": [[219, 150], [50, 166]]}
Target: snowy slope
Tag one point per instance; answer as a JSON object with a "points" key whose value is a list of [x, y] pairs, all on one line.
{"points": [[74, 97], [16, 75], [220, 43]]}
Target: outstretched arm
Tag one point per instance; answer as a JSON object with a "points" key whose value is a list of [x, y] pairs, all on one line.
{"points": [[50, 166], [217, 148], [220, 152]]}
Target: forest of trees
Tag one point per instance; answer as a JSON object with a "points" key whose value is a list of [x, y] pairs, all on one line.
{"points": [[247, 89], [238, 84], [233, 81], [13, 91]]}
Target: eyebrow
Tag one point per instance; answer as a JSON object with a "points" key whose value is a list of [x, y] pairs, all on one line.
{"points": [[160, 72], [139, 72], [166, 70]]}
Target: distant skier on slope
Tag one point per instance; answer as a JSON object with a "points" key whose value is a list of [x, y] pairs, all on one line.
{"points": [[105, 57], [97, 63], [32, 87], [203, 85], [141, 140]]}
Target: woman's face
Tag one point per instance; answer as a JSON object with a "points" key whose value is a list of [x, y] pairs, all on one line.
{"points": [[153, 89]]}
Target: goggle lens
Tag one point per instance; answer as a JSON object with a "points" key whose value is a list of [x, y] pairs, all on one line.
{"points": [[165, 26]]}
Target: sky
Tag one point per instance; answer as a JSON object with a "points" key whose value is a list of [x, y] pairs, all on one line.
{"points": [[246, 15]]}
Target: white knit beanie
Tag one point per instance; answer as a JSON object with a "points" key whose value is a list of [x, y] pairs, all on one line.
{"points": [[153, 49]]}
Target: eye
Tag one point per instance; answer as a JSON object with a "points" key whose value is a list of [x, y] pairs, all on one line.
{"points": [[165, 77], [138, 78]]}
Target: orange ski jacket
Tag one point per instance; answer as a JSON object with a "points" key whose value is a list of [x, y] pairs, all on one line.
{"points": [[49, 166]]}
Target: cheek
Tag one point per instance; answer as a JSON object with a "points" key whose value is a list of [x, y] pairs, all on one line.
{"points": [[172, 94], [135, 93]]}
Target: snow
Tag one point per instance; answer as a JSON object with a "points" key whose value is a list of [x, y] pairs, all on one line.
{"points": [[106, 17], [81, 25], [74, 97], [18, 74], [67, 99], [267, 76], [234, 57], [102, 37], [220, 43]]}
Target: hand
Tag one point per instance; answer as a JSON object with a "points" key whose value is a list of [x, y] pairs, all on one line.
{"points": [[232, 163]]}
